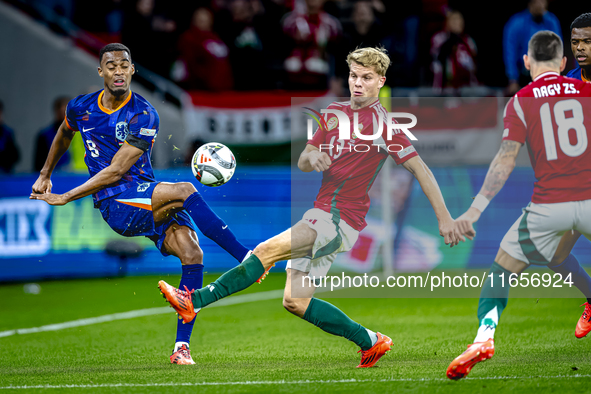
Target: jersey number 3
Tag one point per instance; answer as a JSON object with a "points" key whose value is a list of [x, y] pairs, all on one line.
{"points": [[575, 122], [92, 148]]}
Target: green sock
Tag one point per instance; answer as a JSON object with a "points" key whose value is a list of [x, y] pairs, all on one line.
{"points": [[493, 300], [331, 319], [233, 281]]}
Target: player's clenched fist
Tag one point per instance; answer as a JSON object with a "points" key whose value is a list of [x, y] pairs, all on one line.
{"points": [[451, 236], [42, 185], [465, 223], [320, 161]]}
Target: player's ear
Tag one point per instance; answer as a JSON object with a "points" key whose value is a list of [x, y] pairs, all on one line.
{"points": [[100, 72], [132, 68], [382, 82], [563, 64], [526, 62]]}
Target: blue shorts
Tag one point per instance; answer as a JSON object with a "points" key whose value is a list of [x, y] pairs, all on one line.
{"points": [[130, 214]]}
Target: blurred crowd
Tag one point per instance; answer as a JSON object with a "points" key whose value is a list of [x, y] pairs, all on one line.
{"points": [[219, 45]]}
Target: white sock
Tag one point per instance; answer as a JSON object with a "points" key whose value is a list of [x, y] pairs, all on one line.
{"points": [[247, 256], [179, 344], [488, 326], [373, 336]]}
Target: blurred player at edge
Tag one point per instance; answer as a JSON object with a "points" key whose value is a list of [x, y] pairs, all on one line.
{"points": [[118, 128], [541, 114], [333, 226], [580, 44]]}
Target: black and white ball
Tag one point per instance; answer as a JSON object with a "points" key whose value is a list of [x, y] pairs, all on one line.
{"points": [[213, 164]]}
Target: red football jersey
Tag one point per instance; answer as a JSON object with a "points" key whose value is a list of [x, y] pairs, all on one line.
{"points": [[356, 162], [553, 115]]}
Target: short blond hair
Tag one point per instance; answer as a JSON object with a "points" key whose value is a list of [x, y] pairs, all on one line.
{"points": [[371, 57]]}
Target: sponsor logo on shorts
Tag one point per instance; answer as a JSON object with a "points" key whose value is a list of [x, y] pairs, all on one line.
{"points": [[142, 187], [148, 132]]}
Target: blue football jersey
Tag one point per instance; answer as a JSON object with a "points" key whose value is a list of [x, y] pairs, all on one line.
{"points": [[104, 131], [577, 73]]}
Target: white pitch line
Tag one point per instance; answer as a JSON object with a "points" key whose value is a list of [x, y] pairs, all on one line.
{"points": [[239, 299], [285, 382]]}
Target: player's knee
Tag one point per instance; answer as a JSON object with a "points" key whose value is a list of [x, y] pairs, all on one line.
{"points": [[264, 251], [193, 256], [185, 189]]}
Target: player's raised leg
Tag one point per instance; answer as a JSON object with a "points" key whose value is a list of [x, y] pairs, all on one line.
{"points": [[169, 198], [493, 300], [294, 242], [331, 319]]}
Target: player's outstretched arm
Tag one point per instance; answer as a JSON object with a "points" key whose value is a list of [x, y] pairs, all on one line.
{"points": [[312, 159], [498, 173], [121, 163], [59, 146], [447, 229]]}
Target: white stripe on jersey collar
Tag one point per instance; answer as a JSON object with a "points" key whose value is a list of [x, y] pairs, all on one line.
{"points": [[546, 73]]}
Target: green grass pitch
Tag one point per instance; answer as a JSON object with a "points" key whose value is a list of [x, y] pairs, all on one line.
{"points": [[259, 347]]}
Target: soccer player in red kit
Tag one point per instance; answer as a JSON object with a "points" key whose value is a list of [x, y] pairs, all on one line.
{"points": [[333, 225], [552, 114]]}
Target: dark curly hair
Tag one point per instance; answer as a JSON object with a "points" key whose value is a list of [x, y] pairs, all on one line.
{"points": [[114, 47], [581, 21]]}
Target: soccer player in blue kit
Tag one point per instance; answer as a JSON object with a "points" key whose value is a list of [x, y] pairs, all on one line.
{"points": [[118, 128]]}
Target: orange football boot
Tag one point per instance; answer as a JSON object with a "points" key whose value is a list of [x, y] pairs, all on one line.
{"points": [[264, 275], [182, 356], [584, 324], [476, 352], [180, 300], [371, 356]]}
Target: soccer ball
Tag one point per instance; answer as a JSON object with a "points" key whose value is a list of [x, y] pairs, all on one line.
{"points": [[213, 164]]}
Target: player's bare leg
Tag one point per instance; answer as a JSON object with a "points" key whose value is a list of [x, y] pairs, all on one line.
{"points": [[294, 242], [182, 242], [331, 319], [169, 198], [493, 300]]}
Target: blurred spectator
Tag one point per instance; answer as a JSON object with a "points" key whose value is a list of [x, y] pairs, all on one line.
{"points": [[454, 55], [101, 17], [204, 62], [364, 30], [144, 29], [45, 136], [240, 26], [401, 24], [9, 153], [314, 37], [516, 34]]}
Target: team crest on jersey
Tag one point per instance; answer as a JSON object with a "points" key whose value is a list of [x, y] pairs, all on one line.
{"points": [[121, 131], [142, 187], [332, 123]]}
